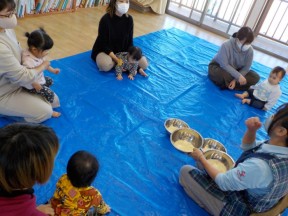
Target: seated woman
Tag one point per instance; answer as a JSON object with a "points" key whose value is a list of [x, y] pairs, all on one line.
{"points": [[27, 157], [256, 183], [230, 68], [115, 35], [15, 101]]}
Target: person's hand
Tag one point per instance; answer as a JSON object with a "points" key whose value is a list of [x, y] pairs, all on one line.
{"points": [[131, 77], [56, 71], [242, 80], [46, 209], [46, 64], [119, 77], [197, 154], [119, 62], [253, 123], [37, 86], [108, 208], [232, 84]]}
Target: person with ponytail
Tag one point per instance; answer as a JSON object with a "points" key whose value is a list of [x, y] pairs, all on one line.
{"points": [[39, 44], [115, 35], [14, 100], [230, 67]]}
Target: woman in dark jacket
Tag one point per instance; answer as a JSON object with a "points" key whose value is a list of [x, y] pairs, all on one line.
{"points": [[115, 34]]}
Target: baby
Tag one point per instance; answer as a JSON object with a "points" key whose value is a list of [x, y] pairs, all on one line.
{"points": [[265, 94], [74, 194], [39, 44], [129, 61]]}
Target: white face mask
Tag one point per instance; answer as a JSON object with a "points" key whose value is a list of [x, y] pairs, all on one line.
{"points": [[8, 23], [246, 47], [238, 44], [242, 47], [122, 8], [268, 122]]}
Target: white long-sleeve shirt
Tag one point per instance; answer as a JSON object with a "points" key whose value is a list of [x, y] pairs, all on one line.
{"points": [[264, 91]]}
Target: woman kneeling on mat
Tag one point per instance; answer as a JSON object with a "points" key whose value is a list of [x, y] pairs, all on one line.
{"points": [[256, 183], [230, 68]]}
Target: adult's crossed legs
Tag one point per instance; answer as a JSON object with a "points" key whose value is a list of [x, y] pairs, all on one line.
{"points": [[203, 198]]}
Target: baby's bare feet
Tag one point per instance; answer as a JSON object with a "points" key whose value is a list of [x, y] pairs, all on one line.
{"points": [[245, 101], [142, 72], [241, 96], [56, 114]]}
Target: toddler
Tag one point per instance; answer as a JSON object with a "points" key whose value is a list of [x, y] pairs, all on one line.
{"points": [[39, 44], [74, 195], [129, 61], [265, 94]]}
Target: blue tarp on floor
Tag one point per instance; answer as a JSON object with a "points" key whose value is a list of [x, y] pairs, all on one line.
{"points": [[122, 122]]}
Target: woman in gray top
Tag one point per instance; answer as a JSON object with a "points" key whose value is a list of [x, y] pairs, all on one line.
{"points": [[230, 68], [15, 101]]}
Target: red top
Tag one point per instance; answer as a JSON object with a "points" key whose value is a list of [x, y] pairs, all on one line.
{"points": [[24, 205]]}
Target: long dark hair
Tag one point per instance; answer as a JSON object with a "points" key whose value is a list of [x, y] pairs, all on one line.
{"points": [[111, 9]]}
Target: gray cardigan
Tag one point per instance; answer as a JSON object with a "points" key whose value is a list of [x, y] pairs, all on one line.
{"points": [[231, 58]]}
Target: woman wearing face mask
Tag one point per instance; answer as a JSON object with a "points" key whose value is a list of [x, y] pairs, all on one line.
{"points": [[257, 182], [15, 101], [230, 68], [115, 34]]}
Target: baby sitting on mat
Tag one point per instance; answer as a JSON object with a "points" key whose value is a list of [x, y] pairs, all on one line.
{"points": [[129, 61], [74, 194], [264, 95]]}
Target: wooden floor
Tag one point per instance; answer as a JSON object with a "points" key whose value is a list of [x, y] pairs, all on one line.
{"points": [[76, 32]]}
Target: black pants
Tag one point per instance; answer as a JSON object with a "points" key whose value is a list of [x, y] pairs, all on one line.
{"points": [[259, 104], [45, 92], [222, 78]]}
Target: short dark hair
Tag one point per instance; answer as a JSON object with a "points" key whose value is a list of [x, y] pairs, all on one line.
{"points": [[82, 169], [280, 119], [27, 153], [39, 39], [278, 70], [9, 4], [135, 52]]}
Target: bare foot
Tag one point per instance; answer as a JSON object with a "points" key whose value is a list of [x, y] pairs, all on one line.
{"points": [[119, 77], [56, 114], [245, 101], [241, 96], [142, 72]]}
